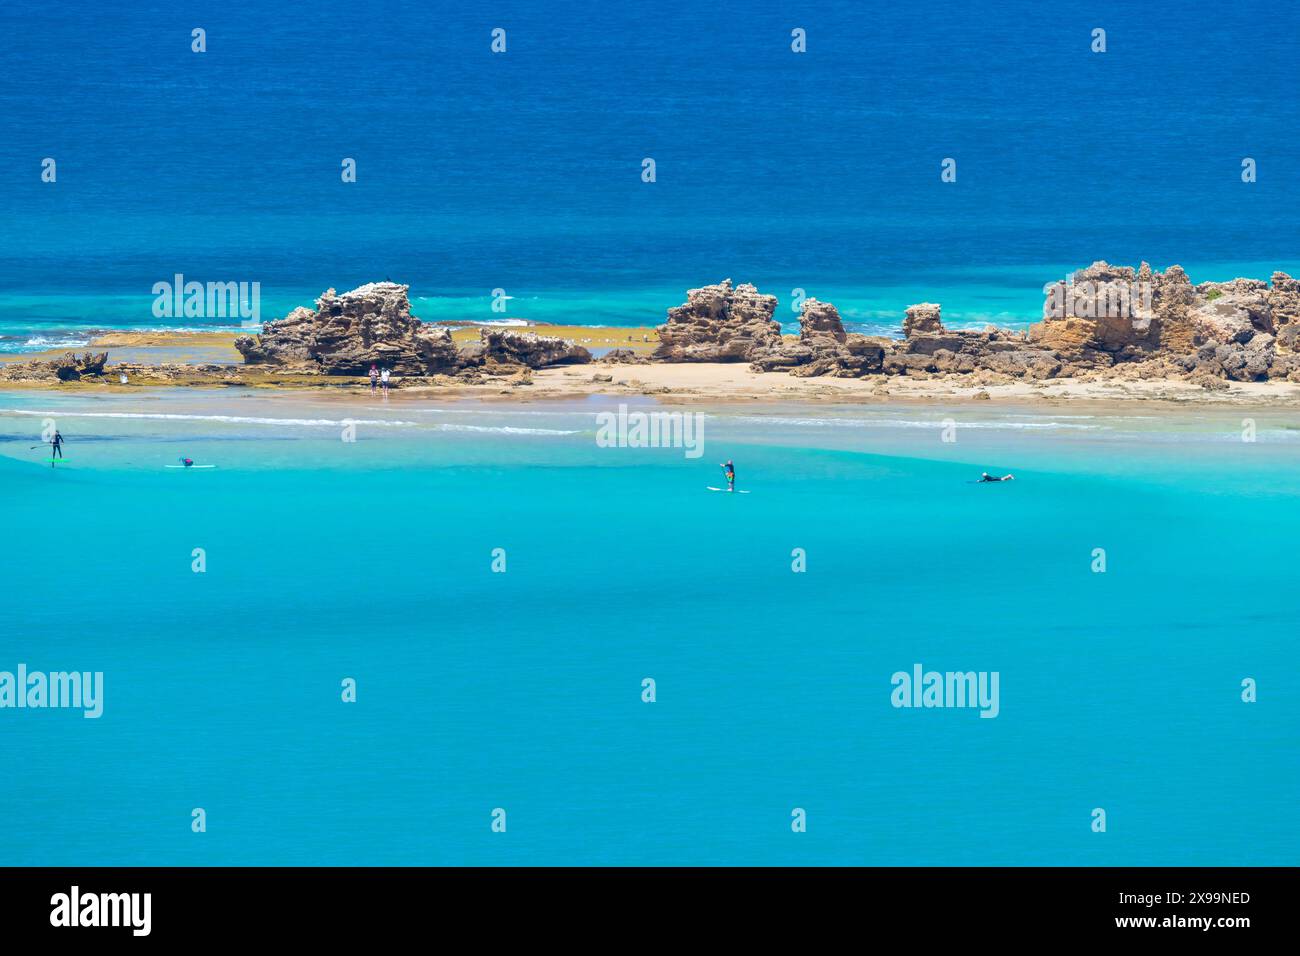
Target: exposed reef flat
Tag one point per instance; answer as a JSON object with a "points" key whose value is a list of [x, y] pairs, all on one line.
{"points": [[1108, 333]]}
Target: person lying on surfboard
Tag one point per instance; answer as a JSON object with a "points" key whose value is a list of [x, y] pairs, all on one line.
{"points": [[987, 477], [187, 462], [730, 471]]}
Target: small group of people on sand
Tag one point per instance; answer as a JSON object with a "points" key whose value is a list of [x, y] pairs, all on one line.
{"points": [[379, 378]]}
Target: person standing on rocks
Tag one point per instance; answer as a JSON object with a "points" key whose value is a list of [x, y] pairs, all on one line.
{"points": [[374, 378], [383, 378]]}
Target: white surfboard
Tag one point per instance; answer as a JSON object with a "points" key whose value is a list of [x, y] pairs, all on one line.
{"points": [[189, 466], [711, 488]]}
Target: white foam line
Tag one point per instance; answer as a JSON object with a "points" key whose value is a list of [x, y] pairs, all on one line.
{"points": [[506, 429], [904, 423], [322, 422]]}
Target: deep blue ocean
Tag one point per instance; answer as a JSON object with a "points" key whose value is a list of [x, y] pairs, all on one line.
{"points": [[522, 171]]}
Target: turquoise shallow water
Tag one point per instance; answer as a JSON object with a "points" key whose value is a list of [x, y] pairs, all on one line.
{"points": [[1007, 296], [521, 690]]}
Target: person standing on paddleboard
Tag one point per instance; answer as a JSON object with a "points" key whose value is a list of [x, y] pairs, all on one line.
{"points": [[730, 471], [56, 447]]}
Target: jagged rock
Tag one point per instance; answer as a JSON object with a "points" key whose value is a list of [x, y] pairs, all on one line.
{"points": [[1102, 308], [1230, 311], [1024, 363], [719, 323], [622, 357], [823, 348], [924, 317], [471, 355], [785, 357], [72, 367], [965, 352], [503, 346], [1137, 316], [818, 320], [1283, 298], [346, 334], [861, 355]]}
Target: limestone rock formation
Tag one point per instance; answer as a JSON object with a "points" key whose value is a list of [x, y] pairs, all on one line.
{"points": [[963, 352], [823, 347], [506, 347], [69, 367], [922, 318], [819, 320], [1109, 315], [346, 334], [1103, 308], [623, 357], [1136, 314], [719, 323]]}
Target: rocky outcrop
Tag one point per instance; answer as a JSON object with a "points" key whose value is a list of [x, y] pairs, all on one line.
{"points": [[964, 352], [69, 367], [922, 318], [823, 347], [346, 334], [719, 323], [1105, 320], [820, 320], [1114, 316], [501, 346], [623, 357], [372, 325], [1283, 300]]}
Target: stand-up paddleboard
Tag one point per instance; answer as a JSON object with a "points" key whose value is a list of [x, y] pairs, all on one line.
{"points": [[188, 467], [711, 488]]}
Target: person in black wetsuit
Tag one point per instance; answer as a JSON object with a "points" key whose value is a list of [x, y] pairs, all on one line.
{"points": [[56, 446], [987, 477]]}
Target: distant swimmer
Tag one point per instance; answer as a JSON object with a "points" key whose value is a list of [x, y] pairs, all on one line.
{"points": [[730, 470], [987, 477]]}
